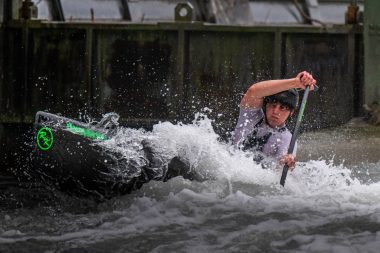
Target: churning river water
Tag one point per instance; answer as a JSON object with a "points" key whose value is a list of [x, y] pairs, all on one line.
{"points": [[330, 202]]}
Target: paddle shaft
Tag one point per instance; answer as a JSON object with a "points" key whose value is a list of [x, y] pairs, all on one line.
{"points": [[295, 133]]}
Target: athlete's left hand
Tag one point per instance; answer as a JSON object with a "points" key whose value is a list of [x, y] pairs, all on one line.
{"points": [[289, 160]]}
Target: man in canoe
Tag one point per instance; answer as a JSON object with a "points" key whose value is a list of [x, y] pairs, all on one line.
{"points": [[264, 111]]}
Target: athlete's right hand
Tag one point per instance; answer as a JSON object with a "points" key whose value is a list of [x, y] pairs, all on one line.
{"points": [[304, 79]]}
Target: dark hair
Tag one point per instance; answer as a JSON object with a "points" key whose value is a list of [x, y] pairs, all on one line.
{"points": [[288, 98]]}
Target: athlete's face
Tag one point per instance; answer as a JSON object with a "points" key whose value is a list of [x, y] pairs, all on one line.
{"points": [[277, 114]]}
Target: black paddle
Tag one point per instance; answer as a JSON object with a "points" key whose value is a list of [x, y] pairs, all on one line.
{"points": [[295, 133]]}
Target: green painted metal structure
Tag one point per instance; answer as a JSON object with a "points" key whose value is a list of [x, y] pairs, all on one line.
{"points": [[168, 71], [372, 51]]}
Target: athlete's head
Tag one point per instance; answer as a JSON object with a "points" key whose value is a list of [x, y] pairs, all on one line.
{"points": [[279, 106]]}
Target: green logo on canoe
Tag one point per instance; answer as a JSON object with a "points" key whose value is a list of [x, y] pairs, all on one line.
{"points": [[45, 138]]}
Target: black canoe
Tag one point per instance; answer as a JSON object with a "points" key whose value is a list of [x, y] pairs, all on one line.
{"points": [[66, 153]]}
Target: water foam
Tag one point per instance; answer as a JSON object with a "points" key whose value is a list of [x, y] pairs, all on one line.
{"points": [[198, 144]]}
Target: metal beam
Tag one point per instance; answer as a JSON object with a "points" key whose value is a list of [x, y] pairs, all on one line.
{"points": [[313, 8], [58, 10], [126, 12], [371, 51]]}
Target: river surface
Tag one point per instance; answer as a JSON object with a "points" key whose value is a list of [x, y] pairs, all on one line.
{"points": [[330, 202]]}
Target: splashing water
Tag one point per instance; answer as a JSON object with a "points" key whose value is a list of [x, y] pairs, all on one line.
{"points": [[323, 207]]}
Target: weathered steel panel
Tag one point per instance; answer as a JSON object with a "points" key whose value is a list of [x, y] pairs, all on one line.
{"points": [[57, 71], [358, 81], [12, 85], [135, 73], [1, 65], [372, 51], [221, 66], [168, 71], [326, 57]]}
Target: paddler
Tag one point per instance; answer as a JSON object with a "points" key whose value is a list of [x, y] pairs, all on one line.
{"points": [[264, 111]]}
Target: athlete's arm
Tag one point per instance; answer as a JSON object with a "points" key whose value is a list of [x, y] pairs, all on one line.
{"points": [[255, 94]]}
